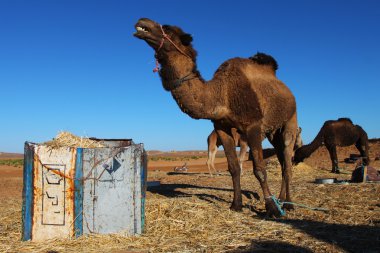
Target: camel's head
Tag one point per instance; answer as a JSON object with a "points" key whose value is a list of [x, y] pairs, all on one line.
{"points": [[164, 38], [298, 157]]}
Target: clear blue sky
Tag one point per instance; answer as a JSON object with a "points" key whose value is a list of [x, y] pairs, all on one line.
{"points": [[75, 66]]}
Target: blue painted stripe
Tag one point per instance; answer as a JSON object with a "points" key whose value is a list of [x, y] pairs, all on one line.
{"points": [[78, 196], [144, 176], [27, 193]]}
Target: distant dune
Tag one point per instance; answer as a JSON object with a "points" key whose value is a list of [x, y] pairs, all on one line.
{"points": [[4, 155]]}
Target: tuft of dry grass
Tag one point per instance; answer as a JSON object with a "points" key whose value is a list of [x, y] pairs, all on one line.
{"points": [[67, 139]]}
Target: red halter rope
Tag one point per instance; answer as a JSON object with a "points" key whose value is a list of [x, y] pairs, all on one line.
{"points": [[165, 36]]}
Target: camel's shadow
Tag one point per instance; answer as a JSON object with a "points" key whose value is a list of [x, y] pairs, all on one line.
{"points": [[174, 191]]}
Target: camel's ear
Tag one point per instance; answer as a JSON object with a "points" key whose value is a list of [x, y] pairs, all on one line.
{"points": [[186, 39]]}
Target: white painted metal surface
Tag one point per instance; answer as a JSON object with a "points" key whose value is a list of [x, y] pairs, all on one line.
{"points": [[114, 177]]}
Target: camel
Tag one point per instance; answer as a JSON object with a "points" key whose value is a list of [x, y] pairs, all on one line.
{"points": [[242, 94], [341, 132], [213, 142]]}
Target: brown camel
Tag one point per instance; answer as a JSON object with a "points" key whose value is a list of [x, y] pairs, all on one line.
{"points": [[243, 94], [213, 142], [341, 132]]}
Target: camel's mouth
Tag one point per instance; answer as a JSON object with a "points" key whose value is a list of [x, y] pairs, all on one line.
{"points": [[144, 30], [140, 30]]}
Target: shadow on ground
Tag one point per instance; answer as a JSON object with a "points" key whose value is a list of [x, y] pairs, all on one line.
{"points": [[350, 238], [174, 191], [271, 247], [346, 238]]}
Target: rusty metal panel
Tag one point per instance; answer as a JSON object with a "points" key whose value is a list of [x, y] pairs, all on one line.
{"points": [[53, 202], [75, 191], [114, 176]]}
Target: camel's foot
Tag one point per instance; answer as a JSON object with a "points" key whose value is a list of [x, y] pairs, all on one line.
{"points": [[336, 171], [273, 210], [236, 207], [288, 206]]}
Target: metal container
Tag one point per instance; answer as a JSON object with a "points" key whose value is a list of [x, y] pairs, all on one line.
{"points": [[325, 180], [73, 191]]}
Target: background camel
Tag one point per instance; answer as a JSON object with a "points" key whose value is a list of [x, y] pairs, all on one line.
{"points": [[213, 142], [341, 132], [243, 94]]}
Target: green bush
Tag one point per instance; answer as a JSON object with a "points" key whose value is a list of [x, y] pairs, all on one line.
{"points": [[12, 162]]}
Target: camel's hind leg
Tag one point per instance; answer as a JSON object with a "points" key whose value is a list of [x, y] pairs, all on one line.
{"points": [[276, 140], [288, 137], [283, 140], [254, 141], [243, 151], [233, 164], [211, 160], [212, 150]]}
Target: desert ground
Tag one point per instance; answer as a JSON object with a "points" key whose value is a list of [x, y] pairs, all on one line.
{"points": [[189, 211]]}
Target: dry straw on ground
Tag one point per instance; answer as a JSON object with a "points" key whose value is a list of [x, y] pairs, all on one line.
{"points": [[67, 139], [190, 213]]}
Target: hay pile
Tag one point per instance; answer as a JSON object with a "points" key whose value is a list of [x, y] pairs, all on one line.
{"points": [[173, 225], [67, 139]]}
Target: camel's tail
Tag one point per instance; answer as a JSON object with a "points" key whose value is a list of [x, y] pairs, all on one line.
{"points": [[265, 59]]}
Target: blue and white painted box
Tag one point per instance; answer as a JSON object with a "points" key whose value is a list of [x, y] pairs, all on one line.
{"points": [[73, 191]]}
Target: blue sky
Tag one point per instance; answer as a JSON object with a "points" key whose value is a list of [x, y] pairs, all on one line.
{"points": [[75, 66]]}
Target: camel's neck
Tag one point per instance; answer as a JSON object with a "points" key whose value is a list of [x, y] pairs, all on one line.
{"points": [[193, 95], [307, 150]]}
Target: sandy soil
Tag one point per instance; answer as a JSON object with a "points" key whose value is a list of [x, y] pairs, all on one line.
{"points": [[352, 223]]}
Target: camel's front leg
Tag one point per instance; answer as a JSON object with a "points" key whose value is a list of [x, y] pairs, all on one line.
{"points": [[233, 165], [334, 158]]}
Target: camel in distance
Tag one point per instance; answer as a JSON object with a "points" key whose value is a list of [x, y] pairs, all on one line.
{"points": [[242, 94], [213, 142], [341, 132]]}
